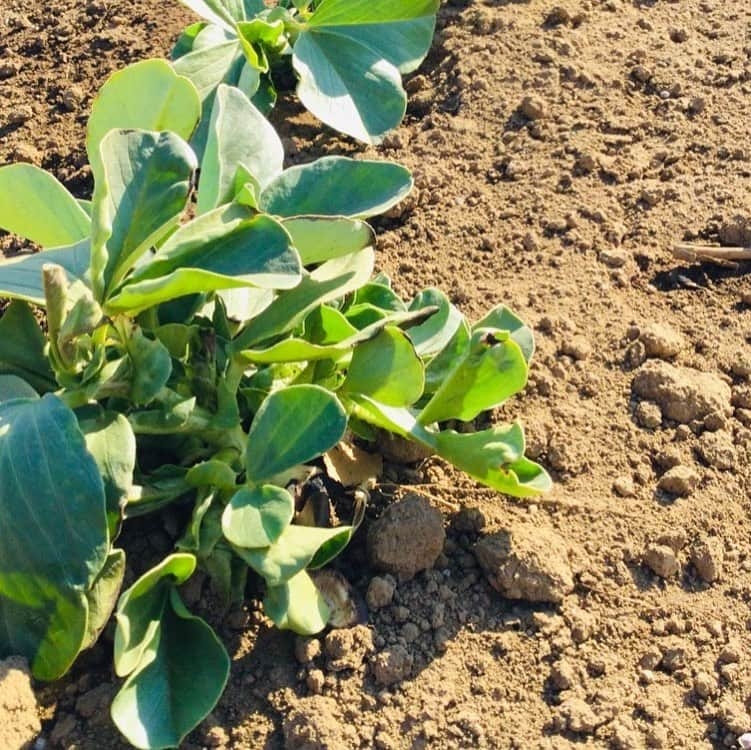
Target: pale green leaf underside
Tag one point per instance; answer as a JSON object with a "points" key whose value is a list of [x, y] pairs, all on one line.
{"points": [[297, 605], [147, 95], [35, 206], [21, 277], [336, 186], [148, 177], [238, 135], [348, 86]]}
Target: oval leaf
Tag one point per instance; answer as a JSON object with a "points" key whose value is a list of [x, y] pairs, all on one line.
{"points": [[293, 426], [493, 369], [387, 369], [337, 186], [148, 95], [179, 680], [52, 513], [239, 136], [297, 605], [35, 206], [257, 516]]}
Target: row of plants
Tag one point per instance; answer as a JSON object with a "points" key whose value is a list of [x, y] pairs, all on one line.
{"points": [[213, 327]]}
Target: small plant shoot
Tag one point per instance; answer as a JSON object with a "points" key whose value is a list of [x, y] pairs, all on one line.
{"points": [[221, 312]]}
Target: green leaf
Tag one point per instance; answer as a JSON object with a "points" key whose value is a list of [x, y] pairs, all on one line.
{"points": [[151, 367], [302, 350], [331, 280], [297, 605], [257, 516], [258, 149], [495, 457], [320, 238], [492, 370], [350, 57], [293, 425], [22, 347], [503, 319], [147, 95], [187, 40], [177, 682], [140, 609], [337, 186], [34, 205], [399, 30], [387, 369], [225, 13], [435, 334], [229, 247], [348, 86], [112, 444], [213, 473], [12, 387], [210, 64], [52, 513], [293, 551], [21, 277], [147, 178], [102, 596], [444, 362]]}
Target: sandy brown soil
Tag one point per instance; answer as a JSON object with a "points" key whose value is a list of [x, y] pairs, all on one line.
{"points": [[560, 150]]}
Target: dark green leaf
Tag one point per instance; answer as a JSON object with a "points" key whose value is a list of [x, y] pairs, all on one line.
{"points": [[52, 513], [22, 346]]}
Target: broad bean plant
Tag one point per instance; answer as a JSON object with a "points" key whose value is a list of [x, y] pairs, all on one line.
{"points": [[212, 327]]}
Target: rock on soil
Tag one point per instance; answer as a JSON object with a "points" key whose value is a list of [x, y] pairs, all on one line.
{"points": [[392, 665], [19, 720], [527, 562], [683, 394], [680, 481], [380, 592], [661, 341], [662, 560], [708, 557], [407, 538], [716, 449], [347, 648]]}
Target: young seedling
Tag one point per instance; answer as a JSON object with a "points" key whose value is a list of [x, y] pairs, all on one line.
{"points": [[238, 342], [348, 56]]}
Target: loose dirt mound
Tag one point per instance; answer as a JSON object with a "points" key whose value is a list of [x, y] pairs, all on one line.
{"points": [[559, 151]]}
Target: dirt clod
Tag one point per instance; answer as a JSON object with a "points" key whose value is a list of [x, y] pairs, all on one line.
{"points": [[680, 481], [392, 665], [18, 706], [662, 560], [316, 723], [661, 341], [683, 394], [708, 556], [347, 648], [527, 562], [407, 538], [380, 592]]}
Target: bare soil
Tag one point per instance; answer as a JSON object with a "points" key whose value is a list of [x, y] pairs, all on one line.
{"points": [[560, 150]]}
